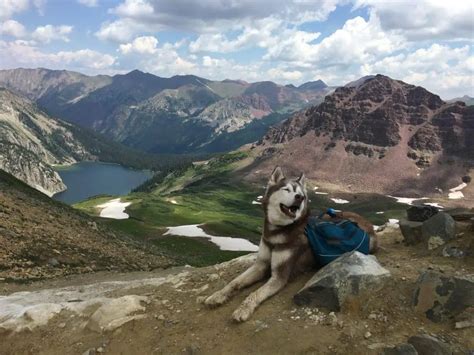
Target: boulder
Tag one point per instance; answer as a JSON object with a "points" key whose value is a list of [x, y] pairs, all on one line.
{"points": [[442, 297], [438, 230], [350, 276], [400, 349], [411, 231], [421, 213], [428, 345]]}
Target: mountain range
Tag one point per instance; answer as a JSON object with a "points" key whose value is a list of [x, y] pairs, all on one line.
{"points": [[181, 114], [377, 134]]}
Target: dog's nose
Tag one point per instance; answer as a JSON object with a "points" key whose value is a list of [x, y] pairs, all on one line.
{"points": [[298, 197]]}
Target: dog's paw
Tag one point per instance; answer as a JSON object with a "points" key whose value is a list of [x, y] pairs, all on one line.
{"points": [[242, 313], [216, 300]]}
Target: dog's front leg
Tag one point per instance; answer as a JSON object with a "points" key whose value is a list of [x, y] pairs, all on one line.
{"points": [[282, 264], [252, 275]]}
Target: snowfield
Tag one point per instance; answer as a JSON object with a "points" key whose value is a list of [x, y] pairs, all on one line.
{"points": [[224, 243], [114, 209]]}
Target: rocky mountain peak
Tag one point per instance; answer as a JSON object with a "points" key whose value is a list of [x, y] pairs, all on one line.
{"points": [[380, 119]]}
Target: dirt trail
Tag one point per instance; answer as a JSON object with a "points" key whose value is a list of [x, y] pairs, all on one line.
{"points": [[176, 323]]}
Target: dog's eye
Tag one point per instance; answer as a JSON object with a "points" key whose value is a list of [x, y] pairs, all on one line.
{"points": [[286, 189]]}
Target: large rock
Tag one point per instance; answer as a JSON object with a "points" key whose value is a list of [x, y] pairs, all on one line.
{"points": [[421, 213], [411, 231], [401, 349], [438, 230], [442, 297], [349, 276], [428, 345]]}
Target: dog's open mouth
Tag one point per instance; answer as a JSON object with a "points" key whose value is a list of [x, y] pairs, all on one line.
{"points": [[290, 211]]}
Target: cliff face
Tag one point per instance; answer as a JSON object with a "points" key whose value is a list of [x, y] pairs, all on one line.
{"points": [[31, 141], [383, 129]]}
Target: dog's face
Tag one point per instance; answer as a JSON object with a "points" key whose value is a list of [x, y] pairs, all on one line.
{"points": [[285, 200]]}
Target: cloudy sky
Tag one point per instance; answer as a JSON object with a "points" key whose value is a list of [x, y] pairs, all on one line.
{"points": [[423, 42]]}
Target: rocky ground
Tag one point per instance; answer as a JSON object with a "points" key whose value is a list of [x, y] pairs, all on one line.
{"points": [[159, 312], [41, 238]]}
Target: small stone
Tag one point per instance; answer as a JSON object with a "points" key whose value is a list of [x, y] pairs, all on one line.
{"points": [[367, 335], [453, 252], [100, 349], [161, 317], [62, 325], [89, 352], [213, 277], [429, 345], [401, 349], [53, 262], [372, 316], [465, 319]]}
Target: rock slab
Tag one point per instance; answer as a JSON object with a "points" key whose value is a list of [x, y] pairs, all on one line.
{"points": [[350, 276], [428, 345], [442, 297]]}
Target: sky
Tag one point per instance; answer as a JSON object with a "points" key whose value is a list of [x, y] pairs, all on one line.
{"points": [[422, 42]]}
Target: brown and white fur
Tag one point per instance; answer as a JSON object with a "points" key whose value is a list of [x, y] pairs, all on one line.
{"points": [[283, 248]]}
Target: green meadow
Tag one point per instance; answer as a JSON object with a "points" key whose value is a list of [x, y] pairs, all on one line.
{"points": [[211, 194]]}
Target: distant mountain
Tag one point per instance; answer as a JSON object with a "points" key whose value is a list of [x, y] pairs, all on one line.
{"points": [[468, 100], [184, 113], [379, 135], [313, 85]]}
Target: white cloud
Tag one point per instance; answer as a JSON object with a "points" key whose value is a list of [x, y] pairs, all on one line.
{"points": [[425, 19], [167, 62], [141, 45], [50, 33], [89, 3], [119, 31], [12, 28], [257, 34], [446, 71], [357, 42], [10, 7], [280, 75], [21, 53], [210, 16], [40, 6]]}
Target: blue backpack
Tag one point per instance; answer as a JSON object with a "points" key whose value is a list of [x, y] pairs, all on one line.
{"points": [[330, 239]]}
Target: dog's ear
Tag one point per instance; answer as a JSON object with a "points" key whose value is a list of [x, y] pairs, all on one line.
{"points": [[302, 181], [277, 176]]}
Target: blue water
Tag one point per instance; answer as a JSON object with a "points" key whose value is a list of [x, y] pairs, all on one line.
{"points": [[87, 179]]}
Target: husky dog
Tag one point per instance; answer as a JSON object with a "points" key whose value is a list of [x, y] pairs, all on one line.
{"points": [[284, 247]]}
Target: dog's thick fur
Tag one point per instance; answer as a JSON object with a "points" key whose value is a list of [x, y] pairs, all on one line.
{"points": [[284, 248]]}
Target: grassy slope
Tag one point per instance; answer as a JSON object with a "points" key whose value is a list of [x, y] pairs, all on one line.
{"points": [[212, 194]]}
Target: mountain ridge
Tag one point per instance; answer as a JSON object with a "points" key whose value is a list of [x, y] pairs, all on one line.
{"points": [[104, 104], [381, 135]]}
